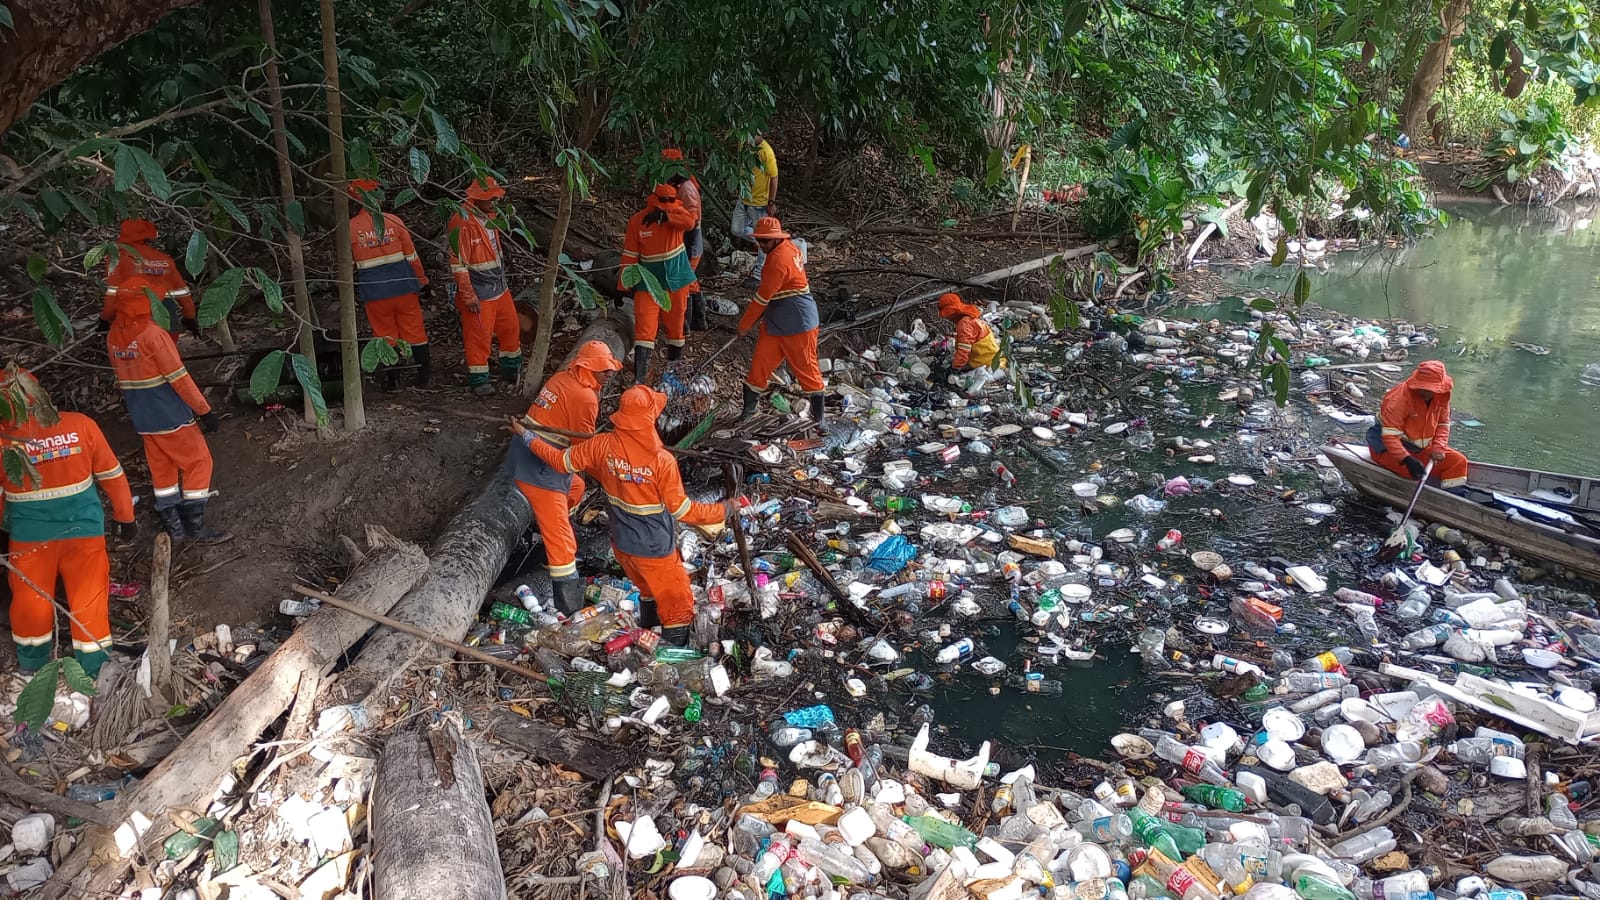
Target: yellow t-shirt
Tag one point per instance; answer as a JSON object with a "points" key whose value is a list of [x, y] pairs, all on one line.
{"points": [[761, 176]]}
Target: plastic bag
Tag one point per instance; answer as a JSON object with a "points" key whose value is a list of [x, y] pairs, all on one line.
{"points": [[892, 555]]}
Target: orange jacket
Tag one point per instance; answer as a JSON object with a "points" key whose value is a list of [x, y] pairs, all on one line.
{"points": [[475, 260], [570, 400], [140, 274], [1405, 416], [970, 331], [659, 246], [160, 395], [784, 297], [386, 266], [70, 456], [641, 482]]}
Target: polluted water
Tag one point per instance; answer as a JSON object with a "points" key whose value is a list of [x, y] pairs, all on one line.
{"points": [[1098, 621]]}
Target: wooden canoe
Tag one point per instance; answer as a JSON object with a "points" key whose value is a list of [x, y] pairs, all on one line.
{"points": [[1575, 549]]}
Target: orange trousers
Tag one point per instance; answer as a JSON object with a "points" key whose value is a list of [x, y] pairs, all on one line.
{"points": [[1450, 471], [552, 512], [664, 580], [83, 566], [649, 317], [180, 455], [495, 320], [398, 318], [798, 350]]}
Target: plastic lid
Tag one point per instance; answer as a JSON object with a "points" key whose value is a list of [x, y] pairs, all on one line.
{"points": [[692, 887], [1342, 743], [1283, 725], [1277, 754]]}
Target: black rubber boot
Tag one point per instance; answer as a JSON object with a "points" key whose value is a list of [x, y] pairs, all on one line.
{"points": [[676, 636], [173, 524], [193, 514], [647, 613], [424, 357], [816, 409], [697, 312], [751, 398], [674, 352], [568, 594], [641, 364]]}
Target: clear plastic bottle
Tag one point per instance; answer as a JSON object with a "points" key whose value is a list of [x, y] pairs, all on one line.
{"points": [[1365, 847], [1330, 660], [1478, 751], [1304, 682], [1190, 760], [1423, 638], [787, 736], [1112, 829], [1560, 812], [1527, 826], [1415, 605], [835, 861], [1404, 886]]}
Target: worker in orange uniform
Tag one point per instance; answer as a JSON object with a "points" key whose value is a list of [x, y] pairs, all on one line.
{"points": [[645, 492], [483, 295], [140, 274], [390, 279], [58, 529], [164, 403], [788, 316], [654, 241], [1413, 427], [694, 240], [569, 400], [975, 341]]}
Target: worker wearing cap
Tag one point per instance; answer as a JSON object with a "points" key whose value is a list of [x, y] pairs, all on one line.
{"points": [[654, 242], [646, 498], [760, 199], [138, 275], [1413, 428], [694, 240], [57, 527], [389, 277], [788, 320], [975, 341], [171, 416], [483, 295], [570, 401]]}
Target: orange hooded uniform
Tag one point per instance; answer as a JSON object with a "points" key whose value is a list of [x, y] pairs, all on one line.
{"points": [[57, 528], [163, 402], [788, 316], [479, 270], [975, 341], [645, 493], [388, 274], [1410, 427], [569, 400], [694, 240], [654, 240], [142, 274]]}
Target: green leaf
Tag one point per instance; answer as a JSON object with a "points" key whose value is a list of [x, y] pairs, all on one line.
{"points": [[1497, 50], [47, 314], [1216, 215], [154, 175], [447, 142], [96, 254], [1077, 14], [1264, 304], [158, 310], [271, 290], [372, 354], [77, 678], [5, 17], [37, 266], [38, 697], [1279, 374], [220, 297], [264, 380], [588, 297], [634, 275], [994, 168], [305, 372], [1129, 136], [18, 468], [1302, 288], [421, 164], [1347, 30], [1282, 253], [1256, 193], [194, 256], [405, 196], [295, 213], [125, 169]]}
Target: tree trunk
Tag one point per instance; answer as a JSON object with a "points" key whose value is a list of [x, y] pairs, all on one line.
{"points": [[286, 195], [355, 414], [188, 777], [583, 753], [432, 832], [533, 375], [1431, 70], [159, 627], [51, 39]]}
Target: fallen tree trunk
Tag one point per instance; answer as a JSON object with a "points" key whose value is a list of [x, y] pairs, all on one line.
{"points": [[596, 758], [462, 568], [432, 833], [188, 777], [988, 278]]}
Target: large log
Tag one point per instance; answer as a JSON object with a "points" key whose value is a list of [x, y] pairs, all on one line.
{"points": [[189, 777], [462, 568], [582, 753], [432, 832]]}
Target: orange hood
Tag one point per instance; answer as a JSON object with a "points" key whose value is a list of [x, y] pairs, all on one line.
{"points": [[1431, 376]]}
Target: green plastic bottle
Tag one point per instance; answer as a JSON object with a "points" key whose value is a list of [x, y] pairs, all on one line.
{"points": [[1313, 888], [940, 833], [1216, 797], [1154, 833]]}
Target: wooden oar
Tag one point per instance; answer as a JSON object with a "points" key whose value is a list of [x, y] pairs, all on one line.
{"points": [[1399, 537], [701, 367]]}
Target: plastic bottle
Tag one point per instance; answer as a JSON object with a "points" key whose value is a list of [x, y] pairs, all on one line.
{"points": [[1031, 682], [1225, 663], [941, 833], [1351, 595], [1423, 638], [1261, 863], [1171, 539], [1004, 474], [1404, 886], [787, 736], [1478, 751], [1315, 887], [1230, 799], [773, 856], [834, 860], [892, 503], [1331, 660], [957, 650], [922, 590], [1365, 847], [1284, 792], [1110, 829], [766, 786], [1190, 760], [1558, 808], [1415, 605], [1304, 682], [1153, 832], [1527, 826]]}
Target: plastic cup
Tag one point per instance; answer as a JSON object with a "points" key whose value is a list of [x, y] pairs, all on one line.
{"points": [[692, 887]]}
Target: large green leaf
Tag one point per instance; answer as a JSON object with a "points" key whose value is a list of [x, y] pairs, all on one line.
{"points": [[152, 172], [37, 266], [305, 372], [268, 373], [421, 164], [633, 276], [47, 314], [194, 255], [38, 696], [271, 290], [377, 352], [18, 468], [447, 142], [220, 297], [77, 678], [588, 297], [125, 169]]}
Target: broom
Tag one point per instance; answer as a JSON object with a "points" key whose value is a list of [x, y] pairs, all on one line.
{"points": [[1400, 537]]}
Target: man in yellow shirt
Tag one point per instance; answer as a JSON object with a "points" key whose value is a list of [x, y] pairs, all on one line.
{"points": [[760, 199]]}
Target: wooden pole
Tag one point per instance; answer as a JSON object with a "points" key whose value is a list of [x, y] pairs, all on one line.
{"points": [[403, 628], [355, 413], [731, 486], [1022, 185], [160, 625]]}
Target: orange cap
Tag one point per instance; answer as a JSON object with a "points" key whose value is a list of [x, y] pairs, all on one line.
{"points": [[769, 228], [359, 186], [596, 357], [485, 188], [638, 408]]}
